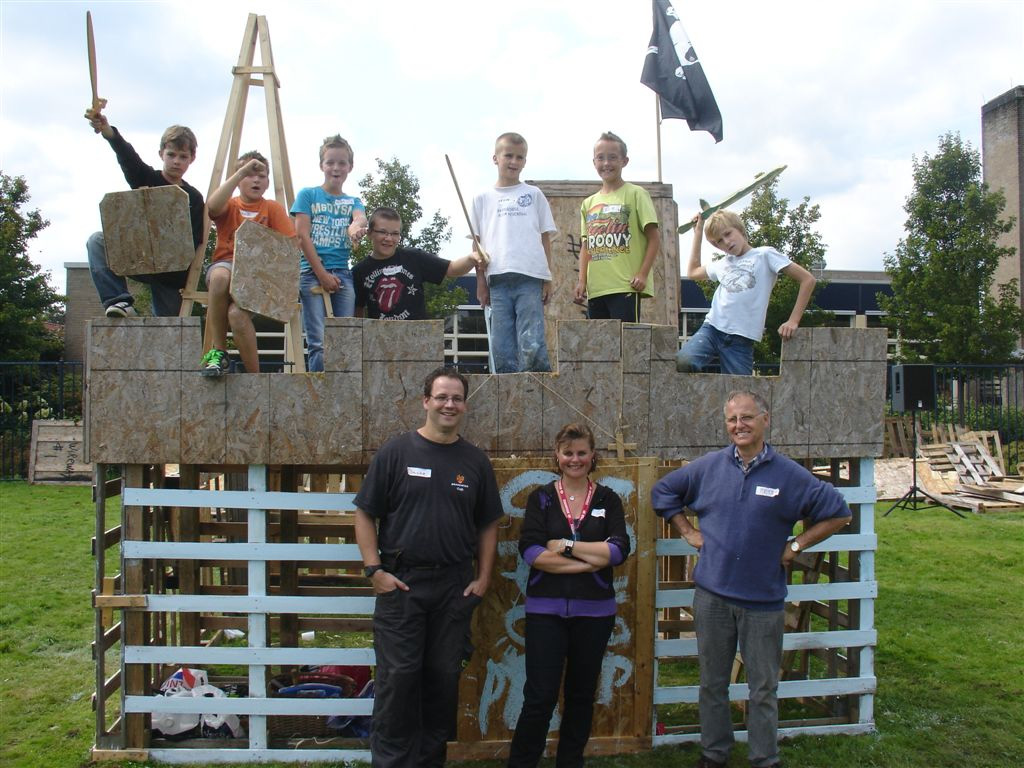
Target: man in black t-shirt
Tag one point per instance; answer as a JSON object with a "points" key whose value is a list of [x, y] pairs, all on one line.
{"points": [[427, 508], [389, 283]]}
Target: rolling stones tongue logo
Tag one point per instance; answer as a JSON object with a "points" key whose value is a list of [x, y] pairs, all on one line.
{"points": [[388, 292]]}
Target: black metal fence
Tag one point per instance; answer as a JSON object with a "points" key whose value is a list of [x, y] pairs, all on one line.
{"points": [[30, 391], [979, 397]]}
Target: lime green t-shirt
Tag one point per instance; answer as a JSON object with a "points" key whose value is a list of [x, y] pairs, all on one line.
{"points": [[612, 226]]}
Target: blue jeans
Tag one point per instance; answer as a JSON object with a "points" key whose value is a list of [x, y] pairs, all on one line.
{"points": [[166, 287], [721, 627], [517, 324], [343, 304], [735, 353]]}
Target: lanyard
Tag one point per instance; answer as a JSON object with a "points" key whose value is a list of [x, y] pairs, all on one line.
{"points": [[574, 526]]}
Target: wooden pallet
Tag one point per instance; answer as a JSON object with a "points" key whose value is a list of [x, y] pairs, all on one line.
{"points": [[972, 462]]}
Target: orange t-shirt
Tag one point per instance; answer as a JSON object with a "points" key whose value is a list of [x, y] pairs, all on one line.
{"points": [[269, 213]]}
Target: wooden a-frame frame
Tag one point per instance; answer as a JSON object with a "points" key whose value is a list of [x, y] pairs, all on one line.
{"points": [[247, 75]]}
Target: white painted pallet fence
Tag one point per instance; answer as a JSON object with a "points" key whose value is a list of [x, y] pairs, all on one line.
{"points": [[256, 552], [861, 547]]}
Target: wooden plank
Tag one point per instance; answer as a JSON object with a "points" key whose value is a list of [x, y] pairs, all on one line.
{"points": [[147, 231], [57, 453], [120, 601], [136, 725], [266, 272], [964, 466], [185, 527], [134, 755]]}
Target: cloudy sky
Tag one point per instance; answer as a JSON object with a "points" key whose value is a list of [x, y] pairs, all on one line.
{"points": [[845, 93]]}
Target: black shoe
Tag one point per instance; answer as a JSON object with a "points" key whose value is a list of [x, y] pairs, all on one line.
{"points": [[707, 762]]}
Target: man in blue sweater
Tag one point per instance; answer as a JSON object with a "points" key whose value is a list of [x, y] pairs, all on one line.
{"points": [[747, 499]]}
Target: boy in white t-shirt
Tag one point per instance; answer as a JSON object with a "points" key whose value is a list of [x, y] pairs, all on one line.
{"points": [[745, 278], [514, 223]]}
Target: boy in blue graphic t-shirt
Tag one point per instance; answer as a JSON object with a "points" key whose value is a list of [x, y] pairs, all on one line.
{"points": [[327, 221]]}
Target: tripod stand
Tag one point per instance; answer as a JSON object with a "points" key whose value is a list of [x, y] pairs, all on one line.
{"points": [[917, 498]]}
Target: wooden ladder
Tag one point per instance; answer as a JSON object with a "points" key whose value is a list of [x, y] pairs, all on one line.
{"points": [[247, 75]]}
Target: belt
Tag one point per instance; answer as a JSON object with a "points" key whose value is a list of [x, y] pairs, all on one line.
{"points": [[395, 561]]}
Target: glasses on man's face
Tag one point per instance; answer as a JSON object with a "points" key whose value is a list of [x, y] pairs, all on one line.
{"points": [[388, 233], [746, 420], [442, 399]]}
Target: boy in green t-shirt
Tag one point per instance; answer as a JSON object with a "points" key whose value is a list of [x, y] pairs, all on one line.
{"points": [[620, 239]]}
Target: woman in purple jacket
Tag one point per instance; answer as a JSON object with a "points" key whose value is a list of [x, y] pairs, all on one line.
{"points": [[573, 533]]}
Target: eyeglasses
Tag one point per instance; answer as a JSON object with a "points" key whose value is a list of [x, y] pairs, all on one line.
{"points": [[745, 420], [387, 233], [442, 399]]}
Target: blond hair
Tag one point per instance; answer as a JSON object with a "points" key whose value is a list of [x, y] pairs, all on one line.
{"points": [[336, 142], [721, 221]]}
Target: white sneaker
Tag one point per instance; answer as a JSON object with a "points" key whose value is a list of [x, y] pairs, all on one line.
{"points": [[121, 309]]}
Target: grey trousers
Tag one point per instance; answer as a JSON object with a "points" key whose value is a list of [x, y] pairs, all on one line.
{"points": [[721, 627]]}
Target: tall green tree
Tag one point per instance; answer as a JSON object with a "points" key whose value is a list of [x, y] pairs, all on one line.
{"points": [[943, 271], [396, 186], [770, 220], [26, 299]]}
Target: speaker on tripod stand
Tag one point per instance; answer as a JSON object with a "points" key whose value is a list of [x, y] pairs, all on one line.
{"points": [[913, 390]]}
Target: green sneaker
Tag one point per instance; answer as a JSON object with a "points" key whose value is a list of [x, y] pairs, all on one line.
{"points": [[215, 363]]}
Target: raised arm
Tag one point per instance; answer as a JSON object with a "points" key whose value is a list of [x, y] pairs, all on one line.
{"points": [[694, 269], [803, 298], [217, 203]]}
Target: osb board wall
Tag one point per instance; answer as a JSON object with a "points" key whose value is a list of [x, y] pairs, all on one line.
{"points": [[491, 688], [147, 403], [565, 198]]}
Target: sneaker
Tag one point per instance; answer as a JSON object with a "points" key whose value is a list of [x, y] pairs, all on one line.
{"points": [[121, 309], [215, 363]]}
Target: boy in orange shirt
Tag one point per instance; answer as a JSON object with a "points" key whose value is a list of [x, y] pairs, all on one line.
{"points": [[227, 214]]}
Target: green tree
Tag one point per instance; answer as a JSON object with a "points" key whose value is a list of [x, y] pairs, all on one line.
{"points": [[943, 270], [770, 221], [396, 186], [26, 299]]}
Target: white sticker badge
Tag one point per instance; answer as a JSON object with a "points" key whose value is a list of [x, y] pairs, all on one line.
{"points": [[769, 492], [418, 472], [597, 512]]}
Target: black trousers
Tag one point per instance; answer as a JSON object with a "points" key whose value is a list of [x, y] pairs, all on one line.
{"points": [[420, 638], [554, 644]]}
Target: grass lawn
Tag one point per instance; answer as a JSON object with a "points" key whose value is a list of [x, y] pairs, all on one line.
{"points": [[950, 657]]}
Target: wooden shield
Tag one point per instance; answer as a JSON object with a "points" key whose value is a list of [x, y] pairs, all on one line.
{"points": [[147, 231], [265, 279]]}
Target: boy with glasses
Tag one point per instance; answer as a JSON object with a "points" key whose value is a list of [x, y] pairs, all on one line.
{"points": [[389, 284]]}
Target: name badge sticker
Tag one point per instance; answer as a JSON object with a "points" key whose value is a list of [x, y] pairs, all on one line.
{"points": [[418, 472], [597, 512], [769, 492]]}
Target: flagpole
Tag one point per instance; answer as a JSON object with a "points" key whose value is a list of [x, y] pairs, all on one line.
{"points": [[657, 123]]}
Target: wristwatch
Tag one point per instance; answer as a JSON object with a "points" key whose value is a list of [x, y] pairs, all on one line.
{"points": [[794, 545], [567, 547], [369, 570]]}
